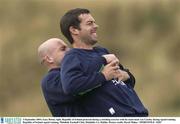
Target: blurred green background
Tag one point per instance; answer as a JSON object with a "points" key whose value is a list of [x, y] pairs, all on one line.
{"points": [[144, 34]]}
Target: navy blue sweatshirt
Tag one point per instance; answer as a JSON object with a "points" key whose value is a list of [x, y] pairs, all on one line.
{"points": [[81, 76], [59, 103]]}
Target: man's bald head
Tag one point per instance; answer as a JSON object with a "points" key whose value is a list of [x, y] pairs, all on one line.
{"points": [[53, 48]]}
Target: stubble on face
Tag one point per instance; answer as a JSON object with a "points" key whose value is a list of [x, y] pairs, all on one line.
{"points": [[88, 29]]}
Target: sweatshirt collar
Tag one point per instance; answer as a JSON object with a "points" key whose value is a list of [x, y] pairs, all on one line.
{"points": [[54, 69]]}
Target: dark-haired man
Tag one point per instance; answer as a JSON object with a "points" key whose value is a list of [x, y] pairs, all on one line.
{"points": [[81, 74]]}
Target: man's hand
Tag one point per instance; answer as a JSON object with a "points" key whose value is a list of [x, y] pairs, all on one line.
{"points": [[122, 75], [110, 70], [110, 57]]}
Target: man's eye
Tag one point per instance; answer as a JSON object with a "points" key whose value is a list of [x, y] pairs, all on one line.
{"points": [[90, 23], [63, 48]]}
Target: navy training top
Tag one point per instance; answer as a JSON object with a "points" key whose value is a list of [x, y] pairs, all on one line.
{"points": [[81, 76], [59, 103]]}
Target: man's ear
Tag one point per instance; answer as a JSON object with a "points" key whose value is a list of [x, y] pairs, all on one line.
{"points": [[49, 59], [73, 30]]}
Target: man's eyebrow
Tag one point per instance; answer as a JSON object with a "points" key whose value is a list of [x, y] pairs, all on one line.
{"points": [[64, 46], [90, 21]]}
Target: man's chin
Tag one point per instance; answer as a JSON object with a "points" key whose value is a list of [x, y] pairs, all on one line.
{"points": [[93, 42]]}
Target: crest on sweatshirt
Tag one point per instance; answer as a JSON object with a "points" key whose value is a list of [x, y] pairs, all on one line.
{"points": [[115, 82]]}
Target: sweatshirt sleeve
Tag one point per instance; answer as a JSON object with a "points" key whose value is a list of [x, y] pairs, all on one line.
{"points": [[75, 80], [131, 81]]}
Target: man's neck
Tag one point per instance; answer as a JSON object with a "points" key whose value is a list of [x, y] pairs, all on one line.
{"points": [[82, 46], [53, 67]]}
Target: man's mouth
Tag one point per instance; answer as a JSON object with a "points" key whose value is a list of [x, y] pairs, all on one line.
{"points": [[93, 32]]}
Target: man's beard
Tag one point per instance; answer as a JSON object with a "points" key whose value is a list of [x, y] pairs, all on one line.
{"points": [[91, 42]]}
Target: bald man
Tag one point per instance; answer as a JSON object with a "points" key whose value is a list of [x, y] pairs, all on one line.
{"points": [[51, 53]]}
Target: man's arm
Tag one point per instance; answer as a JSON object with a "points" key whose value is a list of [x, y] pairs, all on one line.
{"points": [[75, 81]]}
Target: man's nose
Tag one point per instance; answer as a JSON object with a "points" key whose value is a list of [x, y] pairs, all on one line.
{"points": [[96, 26]]}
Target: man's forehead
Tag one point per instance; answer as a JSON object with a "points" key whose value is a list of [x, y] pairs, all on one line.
{"points": [[61, 43], [86, 17]]}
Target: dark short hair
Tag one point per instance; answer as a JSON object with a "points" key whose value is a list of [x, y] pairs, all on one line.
{"points": [[71, 19]]}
